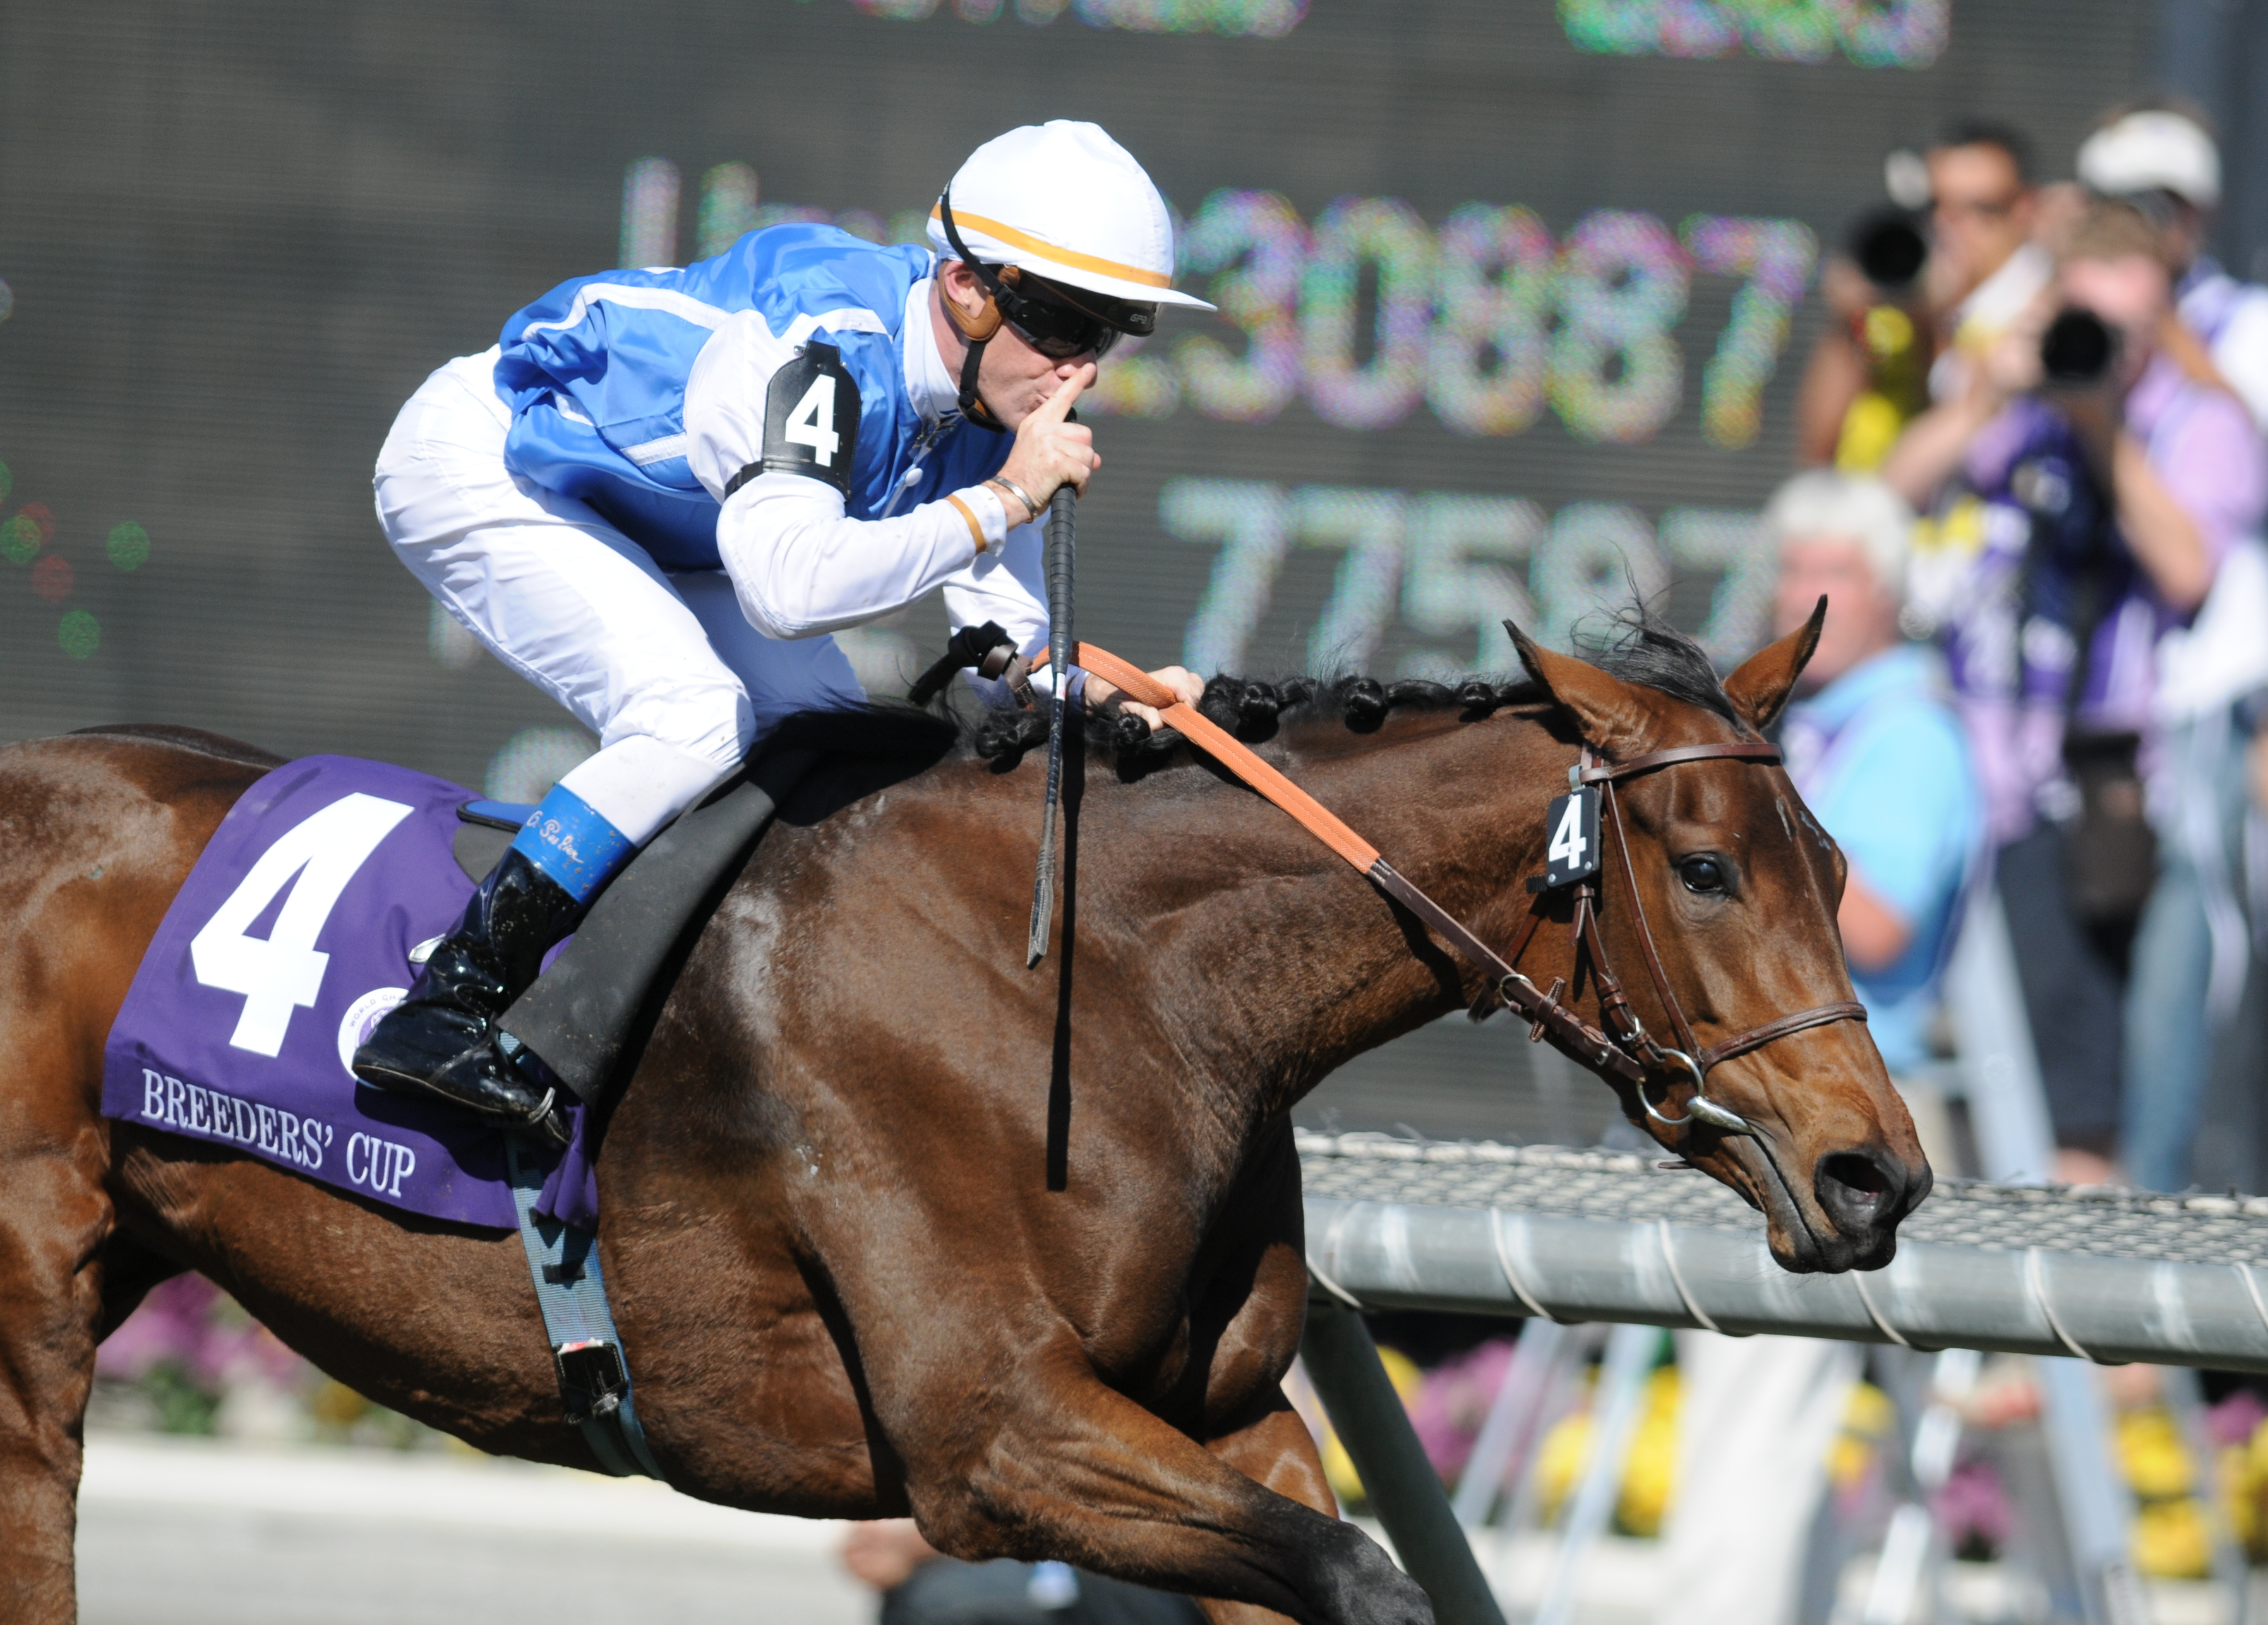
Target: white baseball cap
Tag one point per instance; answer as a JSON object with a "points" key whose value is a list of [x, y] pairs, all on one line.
{"points": [[1066, 201], [2154, 150]]}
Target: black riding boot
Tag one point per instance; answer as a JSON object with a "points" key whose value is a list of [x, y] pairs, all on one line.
{"points": [[441, 1041]]}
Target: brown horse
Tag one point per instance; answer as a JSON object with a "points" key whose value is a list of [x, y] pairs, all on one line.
{"points": [[893, 1225]]}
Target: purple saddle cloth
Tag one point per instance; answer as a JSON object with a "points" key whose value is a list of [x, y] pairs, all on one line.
{"points": [[291, 935]]}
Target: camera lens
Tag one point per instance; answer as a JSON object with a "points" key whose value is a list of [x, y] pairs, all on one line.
{"points": [[2077, 348], [1889, 248]]}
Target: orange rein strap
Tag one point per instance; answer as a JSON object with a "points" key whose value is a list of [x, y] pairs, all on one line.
{"points": [[1543, 1010], [1232, 752]]}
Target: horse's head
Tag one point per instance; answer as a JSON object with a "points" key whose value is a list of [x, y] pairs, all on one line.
{"points": [[1739, 888]]}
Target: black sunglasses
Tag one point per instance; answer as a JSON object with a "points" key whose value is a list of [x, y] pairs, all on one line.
{"points": [[1049, 324], [1044, 315]]}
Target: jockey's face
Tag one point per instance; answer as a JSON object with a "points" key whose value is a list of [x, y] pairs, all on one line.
{"points": [[1014, 378]]}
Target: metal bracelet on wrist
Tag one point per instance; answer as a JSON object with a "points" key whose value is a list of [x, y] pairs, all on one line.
{"points": [[1031, 507]]}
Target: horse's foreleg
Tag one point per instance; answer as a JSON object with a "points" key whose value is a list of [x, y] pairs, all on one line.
{"points": [[1078, 1471], [52, 1228], [1276, 1451]]}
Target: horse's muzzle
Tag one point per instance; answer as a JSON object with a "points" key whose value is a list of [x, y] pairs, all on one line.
{"points": [[1864, 1193]]}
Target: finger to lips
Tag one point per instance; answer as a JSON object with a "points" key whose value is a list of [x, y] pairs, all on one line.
{"points": [[1058, 405]]}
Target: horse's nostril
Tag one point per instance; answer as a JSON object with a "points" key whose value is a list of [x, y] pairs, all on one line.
{"points": [[1860, 1193], [1856, 1172]]}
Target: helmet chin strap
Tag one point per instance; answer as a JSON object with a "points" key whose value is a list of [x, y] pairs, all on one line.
{"points": [[975, 332], [972, 404]]}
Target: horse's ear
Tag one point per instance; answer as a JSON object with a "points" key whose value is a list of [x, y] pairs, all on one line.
{"points": [[1759, 688], [1614, 717]]}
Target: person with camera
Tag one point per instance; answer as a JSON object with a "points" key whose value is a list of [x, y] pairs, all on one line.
{"points": [[2192, 951], [2162, 158], [1914, 308], [2085, 483]]}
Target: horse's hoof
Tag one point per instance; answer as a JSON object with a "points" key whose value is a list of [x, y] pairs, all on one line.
{"points": [[1362, 1587]]}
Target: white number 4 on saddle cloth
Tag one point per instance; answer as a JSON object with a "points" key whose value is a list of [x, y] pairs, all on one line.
{"points": [[1573, 852]]}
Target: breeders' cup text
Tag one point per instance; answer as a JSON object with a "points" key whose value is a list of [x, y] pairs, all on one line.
{"points": [[198, 1110]]}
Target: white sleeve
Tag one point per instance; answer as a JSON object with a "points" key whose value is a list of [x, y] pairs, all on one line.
{"points": [[798, 565], [2240, 352]]}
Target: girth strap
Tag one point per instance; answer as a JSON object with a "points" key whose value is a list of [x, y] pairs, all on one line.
{"points": [[587, 1351]]}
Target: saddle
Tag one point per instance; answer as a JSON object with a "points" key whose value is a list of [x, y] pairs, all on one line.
{"points": [[592, 1007]]}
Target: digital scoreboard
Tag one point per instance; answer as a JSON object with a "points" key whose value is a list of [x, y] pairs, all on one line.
{"points": [[1512, 301]]}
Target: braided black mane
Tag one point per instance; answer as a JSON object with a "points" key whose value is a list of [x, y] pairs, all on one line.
{"points": [[1640, 648], [1254, 710]]}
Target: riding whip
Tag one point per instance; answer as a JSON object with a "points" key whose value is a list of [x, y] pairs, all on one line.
{"points": [[1063, 547]]}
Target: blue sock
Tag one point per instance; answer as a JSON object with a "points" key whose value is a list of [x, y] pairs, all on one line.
{"points": [[570, 841]]}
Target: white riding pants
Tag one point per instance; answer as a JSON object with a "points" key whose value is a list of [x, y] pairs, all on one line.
{"points": [[663, 666]]}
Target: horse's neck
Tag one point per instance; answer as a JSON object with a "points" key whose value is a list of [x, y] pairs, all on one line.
{"points": [[1304, 962]]}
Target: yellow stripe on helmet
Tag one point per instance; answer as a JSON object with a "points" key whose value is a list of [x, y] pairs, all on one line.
{"points": [[1015, 238]]}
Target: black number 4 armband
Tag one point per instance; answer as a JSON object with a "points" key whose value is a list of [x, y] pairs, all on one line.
{"points": [[811, 420]]}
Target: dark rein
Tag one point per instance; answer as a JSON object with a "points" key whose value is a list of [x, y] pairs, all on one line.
{"points": [[1621, 1045]]}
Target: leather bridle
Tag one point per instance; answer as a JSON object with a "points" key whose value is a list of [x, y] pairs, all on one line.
{"points": [[1621, 1044]]}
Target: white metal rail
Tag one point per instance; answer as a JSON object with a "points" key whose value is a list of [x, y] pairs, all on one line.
{"points": [[1600, 1236]]}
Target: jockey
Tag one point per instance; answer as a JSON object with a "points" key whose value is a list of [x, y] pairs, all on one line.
{"points": [[665, 488]]}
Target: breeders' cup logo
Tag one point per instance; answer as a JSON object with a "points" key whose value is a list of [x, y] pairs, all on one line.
{"points": [[362, 1015], [286, 1135]]}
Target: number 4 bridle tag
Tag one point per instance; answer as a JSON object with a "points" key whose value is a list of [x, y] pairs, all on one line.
{"points": [[1573, 853]]}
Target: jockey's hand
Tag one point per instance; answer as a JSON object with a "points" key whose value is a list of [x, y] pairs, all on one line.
{"points": [[1187, 686], [1050, 452]]}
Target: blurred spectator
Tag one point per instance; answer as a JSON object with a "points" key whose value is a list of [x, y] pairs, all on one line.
{"points": [[1875, 748], [1868, 368], [1756, 1418], [1983, 271], [1985, 268], [920, 1587], [1880, 759], [2074, 524], [2162, 158], [2190, 952], [2192, 949]]}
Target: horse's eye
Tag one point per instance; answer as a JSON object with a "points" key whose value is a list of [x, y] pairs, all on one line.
{"points": [[1703, 874]]}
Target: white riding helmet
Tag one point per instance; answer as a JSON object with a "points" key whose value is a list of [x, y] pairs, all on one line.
{"points": [[1064, 201], [2153, 151]]}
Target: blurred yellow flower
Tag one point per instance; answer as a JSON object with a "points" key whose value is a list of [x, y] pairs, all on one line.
{"points": [[1867, 1417], [2257, 1456], [1565, 1449], [1650, 1474], [2151, 1451], [1649, 1471], [337, 1406], [2171, 1541], [2240, 1497], [1338, 1467]]}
